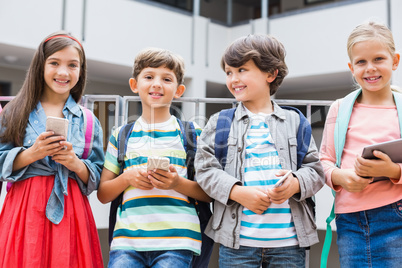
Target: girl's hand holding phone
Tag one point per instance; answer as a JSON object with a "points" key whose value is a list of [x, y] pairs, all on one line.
{"points": [[45, 145], [67, 157]]}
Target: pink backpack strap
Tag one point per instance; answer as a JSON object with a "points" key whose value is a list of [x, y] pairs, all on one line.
{"points": [[89, 123]]}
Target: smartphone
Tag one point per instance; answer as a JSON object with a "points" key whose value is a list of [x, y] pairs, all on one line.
{"points": [[157, 162], [58, 125], [282, 179]]}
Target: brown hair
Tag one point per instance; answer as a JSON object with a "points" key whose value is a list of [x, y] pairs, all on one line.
{"points": [[14, 117], [156, 57], [266, 51]]}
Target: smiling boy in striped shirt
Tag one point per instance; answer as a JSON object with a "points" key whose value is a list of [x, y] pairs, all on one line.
{"points": [[155, 224]]}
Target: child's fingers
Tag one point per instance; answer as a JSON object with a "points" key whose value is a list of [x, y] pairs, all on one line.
{"points": [[45, 135], [381, 155], [144, 184], [67, 145], [155, 175], [172, 168]]}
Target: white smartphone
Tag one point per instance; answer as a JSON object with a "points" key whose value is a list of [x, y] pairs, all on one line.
{"points": [[58, 125], [158, 162], [282, 179]]}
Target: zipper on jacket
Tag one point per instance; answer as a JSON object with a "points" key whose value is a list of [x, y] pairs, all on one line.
{"points": [[247, 122]]}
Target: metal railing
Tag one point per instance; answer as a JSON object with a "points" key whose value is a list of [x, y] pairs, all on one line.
{"points": [[122, 104]]}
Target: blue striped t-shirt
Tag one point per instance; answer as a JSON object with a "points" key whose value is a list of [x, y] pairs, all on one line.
{"points": [[275, 227], [154, 219]]}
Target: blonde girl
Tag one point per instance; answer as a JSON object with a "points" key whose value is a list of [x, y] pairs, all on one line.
{"points": [[368, 211]]}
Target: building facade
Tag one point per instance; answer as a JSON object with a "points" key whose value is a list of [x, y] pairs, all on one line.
{"points": [[314, 33]]}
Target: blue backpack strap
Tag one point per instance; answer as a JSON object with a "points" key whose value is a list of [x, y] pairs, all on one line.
{"points": [[223, 125], [303, 135], [341, 127], [122, 139], [342, 123]]}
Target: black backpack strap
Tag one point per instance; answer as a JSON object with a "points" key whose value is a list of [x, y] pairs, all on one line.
{"points": [[203, 209], [122, 139], [190, 147], [223, 125]]}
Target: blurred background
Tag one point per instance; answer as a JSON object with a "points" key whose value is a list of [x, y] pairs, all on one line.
{"points": [[314, 33]]}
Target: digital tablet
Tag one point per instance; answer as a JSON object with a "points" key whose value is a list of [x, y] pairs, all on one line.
{"points": [[392, 148]]}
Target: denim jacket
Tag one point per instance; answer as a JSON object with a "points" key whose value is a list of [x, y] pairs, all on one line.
{"points": [[224, 225], [48, 167]]}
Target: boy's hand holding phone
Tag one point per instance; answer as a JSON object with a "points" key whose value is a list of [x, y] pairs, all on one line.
{"points": [[161, 174], [285, 188], [252, 197], [138, 178]]}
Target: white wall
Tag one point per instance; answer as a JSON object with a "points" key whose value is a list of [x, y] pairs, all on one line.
{"points": [[316, 41], [25, 23], [396, 27]]}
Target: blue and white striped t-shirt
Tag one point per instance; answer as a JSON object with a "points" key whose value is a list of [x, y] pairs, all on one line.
{"points": [[275, 227], [150, 220]]}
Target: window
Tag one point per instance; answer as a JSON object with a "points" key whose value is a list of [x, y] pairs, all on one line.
{"points": [[186, 5], [5, 90]]}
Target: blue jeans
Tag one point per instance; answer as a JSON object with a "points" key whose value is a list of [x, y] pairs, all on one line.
{"points": [[248, 257], [371, 238], [156, 259]]}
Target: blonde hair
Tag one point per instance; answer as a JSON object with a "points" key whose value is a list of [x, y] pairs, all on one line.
{"points": [[369, 31]]}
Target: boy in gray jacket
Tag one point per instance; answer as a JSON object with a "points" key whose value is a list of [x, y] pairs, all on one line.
{"points": [[255, 223]]}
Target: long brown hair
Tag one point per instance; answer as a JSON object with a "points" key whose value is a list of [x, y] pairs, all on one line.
{"points": [[15, 115]]}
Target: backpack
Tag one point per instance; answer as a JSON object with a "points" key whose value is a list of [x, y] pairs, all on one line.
{"points": [[89, 123], [341, 127], [202, 208], [224, 122]]}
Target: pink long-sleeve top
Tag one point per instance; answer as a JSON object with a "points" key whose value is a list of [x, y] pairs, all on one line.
{"points": [[369, 124]]}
